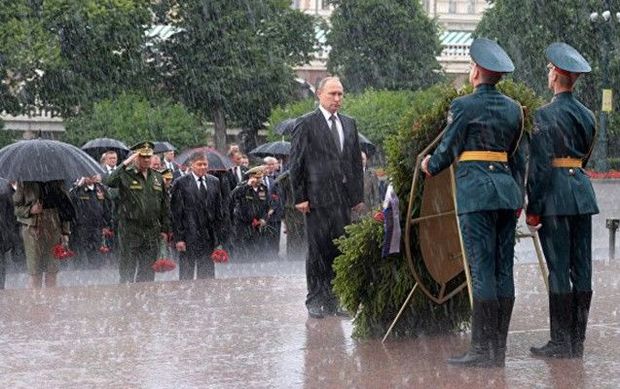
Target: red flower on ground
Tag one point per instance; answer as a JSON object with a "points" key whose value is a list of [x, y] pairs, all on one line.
{"points": [[61, 252], [104, 249], [219, 256], [163, 265], [379, 217]]}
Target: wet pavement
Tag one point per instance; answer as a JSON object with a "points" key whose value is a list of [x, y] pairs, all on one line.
{"points": [[238, 332]]}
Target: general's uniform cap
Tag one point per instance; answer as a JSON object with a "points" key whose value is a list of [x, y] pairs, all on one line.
{"points": [[167, 174], [144, 149], [255, 171], [489, 55], [565, 57]]}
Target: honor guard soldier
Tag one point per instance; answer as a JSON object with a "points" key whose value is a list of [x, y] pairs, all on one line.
{"points": [[251, 212], [143, 213], [561, 201], [482, 136]]}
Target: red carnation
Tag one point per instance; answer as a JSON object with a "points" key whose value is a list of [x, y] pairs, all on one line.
{"points": [[219, 256], [108, 233], [61, 252], [255, 223], [104, 249], [164, 265], [379, 217]]}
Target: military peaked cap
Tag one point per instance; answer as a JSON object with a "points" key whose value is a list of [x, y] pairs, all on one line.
{"points": [[144, 149], [255, 171], [489, 55], [567, 58]]}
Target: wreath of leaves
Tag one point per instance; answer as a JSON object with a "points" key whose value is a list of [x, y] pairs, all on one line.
{"points": [[374, 287]]}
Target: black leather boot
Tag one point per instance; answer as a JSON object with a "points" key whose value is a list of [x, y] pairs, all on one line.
{"points": [[581, 309], [483, 345], [503, 323], [560, 314]]}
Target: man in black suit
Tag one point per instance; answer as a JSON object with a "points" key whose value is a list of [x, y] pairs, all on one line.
{"points": [[196, 219], [326, 172]]}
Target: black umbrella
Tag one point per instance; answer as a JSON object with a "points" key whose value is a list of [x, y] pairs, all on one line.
{"points": [[286, 127], [367, 146], [217, 161], [272, 149], [162, 147], [45, 160], [96, 147]]}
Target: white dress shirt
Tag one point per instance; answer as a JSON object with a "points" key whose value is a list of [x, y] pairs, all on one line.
{"points": [[327, 115]]}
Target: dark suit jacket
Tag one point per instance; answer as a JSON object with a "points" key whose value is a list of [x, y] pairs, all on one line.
{"points": [[193, 216], [317, 166]]}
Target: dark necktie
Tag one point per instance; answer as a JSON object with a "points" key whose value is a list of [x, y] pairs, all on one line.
{"points": [[202, 187], [334, 129]]}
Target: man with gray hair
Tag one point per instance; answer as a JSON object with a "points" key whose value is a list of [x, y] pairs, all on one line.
{"points": [[326, 174]]}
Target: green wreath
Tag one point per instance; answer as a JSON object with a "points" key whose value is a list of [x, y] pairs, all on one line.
{"points": [[374, 288]]}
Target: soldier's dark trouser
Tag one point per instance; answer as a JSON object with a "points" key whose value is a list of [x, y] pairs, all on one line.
{"points": [[488, 237], [198, 254], [139, 248], [323, 225], [567, 244]]}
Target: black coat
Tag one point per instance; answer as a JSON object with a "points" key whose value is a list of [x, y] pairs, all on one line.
{"points": [[318, 168], [194, 217]]}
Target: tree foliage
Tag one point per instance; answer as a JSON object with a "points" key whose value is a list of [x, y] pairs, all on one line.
{"points": [[383, 44], [71, 53], [232, 59], [132, 118]]}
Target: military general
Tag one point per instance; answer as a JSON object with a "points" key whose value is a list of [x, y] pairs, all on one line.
{"points": [[482, 136], [143, 213], [562, 202]]}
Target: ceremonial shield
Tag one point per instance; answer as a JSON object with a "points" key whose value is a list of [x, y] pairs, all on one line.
{"points": [[433, 243]]}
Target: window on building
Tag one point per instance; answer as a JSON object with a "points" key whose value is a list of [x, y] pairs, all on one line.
{"points": [[471, 7], [452, 6]]}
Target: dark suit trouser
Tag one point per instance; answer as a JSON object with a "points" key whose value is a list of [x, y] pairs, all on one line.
{"points": [[567, 244], [139, 248], [489, 238], [323, 225], [3, 256], [199, 255]]}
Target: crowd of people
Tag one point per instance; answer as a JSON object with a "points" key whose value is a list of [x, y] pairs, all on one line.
{"points": [[148, 206]]}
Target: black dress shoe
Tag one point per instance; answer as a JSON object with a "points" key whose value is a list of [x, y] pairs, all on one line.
{"points": [[315, 312]]}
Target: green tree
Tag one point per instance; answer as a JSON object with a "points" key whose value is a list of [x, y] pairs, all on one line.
{"points": [[132, 118], [71, 53], [384, 44], [232, 59]]}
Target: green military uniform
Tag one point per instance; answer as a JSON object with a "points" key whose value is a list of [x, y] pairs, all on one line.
{"points": [[561, 196], [483, 133], [143, 213]]}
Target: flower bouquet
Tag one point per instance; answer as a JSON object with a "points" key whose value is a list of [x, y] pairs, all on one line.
{"points": [[219, 255]]}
